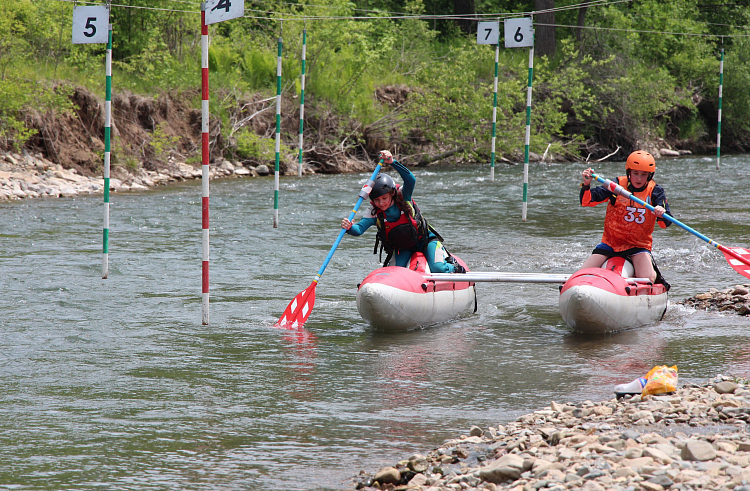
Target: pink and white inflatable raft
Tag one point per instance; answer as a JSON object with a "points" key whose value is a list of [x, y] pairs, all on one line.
{"points": [[401, 299], [609, 299]]}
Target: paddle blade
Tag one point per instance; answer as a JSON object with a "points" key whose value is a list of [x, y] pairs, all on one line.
{"points": [[741, 267], [299, 309]]}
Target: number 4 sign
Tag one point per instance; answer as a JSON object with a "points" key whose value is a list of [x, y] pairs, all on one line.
{"points": [[519, 33], [221, 10], [90, 25]]}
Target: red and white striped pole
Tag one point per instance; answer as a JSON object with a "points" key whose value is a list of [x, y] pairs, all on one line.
{"points": [[205, 156]]}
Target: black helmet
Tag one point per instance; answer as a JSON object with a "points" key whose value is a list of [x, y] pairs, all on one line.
{"points": [[382, 186]]}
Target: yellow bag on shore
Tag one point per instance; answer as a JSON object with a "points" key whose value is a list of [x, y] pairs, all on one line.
{"points": [[661, 379]]}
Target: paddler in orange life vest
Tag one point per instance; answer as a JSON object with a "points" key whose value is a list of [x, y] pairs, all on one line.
{"points": [[627, 225], [402, 229]]}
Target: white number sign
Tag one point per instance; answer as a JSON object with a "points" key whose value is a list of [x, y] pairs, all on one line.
{"points": [[519, 33], [488, 32], [90, 25], [221, 10]]}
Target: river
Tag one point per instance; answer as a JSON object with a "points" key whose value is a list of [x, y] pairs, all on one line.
{"points": [[116, 384]]}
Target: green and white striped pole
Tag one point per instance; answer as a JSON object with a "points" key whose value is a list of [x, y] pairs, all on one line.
{"points": [[278, 141], [302, 99], [528, 135], [718, 127], [107, 136], [494, 115]]}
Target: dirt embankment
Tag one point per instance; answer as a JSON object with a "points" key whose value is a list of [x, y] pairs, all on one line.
{"points": [[157, 134]]}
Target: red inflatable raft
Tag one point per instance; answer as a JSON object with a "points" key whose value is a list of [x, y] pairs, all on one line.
{"points": [[401, 299]]}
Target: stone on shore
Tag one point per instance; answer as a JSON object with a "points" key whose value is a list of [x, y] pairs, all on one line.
{"points": [[698, 450], [725, 387], [736, 298], [388, 475], [33, 176], [508, 467]]}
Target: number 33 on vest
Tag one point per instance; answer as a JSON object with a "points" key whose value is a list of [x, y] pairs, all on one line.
{"points": [[631, 216]]}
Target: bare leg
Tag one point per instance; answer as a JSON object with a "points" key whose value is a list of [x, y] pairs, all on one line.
{"points": [[643, 266], [594, 261]]}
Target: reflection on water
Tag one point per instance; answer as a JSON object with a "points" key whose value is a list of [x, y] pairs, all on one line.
{"points": [[115, 383]]}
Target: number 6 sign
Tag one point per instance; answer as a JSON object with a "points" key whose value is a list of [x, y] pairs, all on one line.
{"points": [[90, 25], [519, 33]]}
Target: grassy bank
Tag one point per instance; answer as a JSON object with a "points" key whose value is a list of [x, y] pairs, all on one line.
{"points": [[646, 77]]}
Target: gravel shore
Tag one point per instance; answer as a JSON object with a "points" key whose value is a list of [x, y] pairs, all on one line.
{"points": [[33, 176], [734, 299], [694, 438]]}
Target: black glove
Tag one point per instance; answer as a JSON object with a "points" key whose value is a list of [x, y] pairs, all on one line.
{"points": [[457, 268]]}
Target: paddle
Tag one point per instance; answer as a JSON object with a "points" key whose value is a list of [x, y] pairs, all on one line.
{"points": [[300, 308], [737, 257]]}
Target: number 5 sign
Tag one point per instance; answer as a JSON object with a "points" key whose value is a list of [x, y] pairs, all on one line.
{"points": [[221, 10], [90, 25], [519, 33]]}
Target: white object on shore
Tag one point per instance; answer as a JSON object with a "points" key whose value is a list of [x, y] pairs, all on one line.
{"points": [[633, 388]]}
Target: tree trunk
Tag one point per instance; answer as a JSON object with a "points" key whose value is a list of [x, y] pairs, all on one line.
{"points": [[428, 160], [544, 37], [581, 23], [464, 7]]}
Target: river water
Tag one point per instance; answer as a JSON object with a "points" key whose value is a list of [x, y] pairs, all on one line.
{"points": [[116, 384]]}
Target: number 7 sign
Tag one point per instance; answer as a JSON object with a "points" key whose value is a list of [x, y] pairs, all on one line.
{"points": [[488, 32], [90, 25]]}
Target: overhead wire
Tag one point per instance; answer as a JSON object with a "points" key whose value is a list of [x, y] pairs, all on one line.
{"points": [[286, 16]]}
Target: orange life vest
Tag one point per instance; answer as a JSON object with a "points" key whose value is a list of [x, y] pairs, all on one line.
{"points": [[627, 224]]}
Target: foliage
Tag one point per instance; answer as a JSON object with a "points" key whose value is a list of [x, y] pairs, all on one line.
{"points": [[252, 146], [634, 79], [162, 143], [13, 45], [18, 98], [736, 97]]}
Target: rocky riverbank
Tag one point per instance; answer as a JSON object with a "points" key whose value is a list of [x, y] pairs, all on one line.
{"points": [[694, 438], [734, 299], [33, 176]]}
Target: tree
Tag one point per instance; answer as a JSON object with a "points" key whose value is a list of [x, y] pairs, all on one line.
{"points": [[464, 7], [544, 37]]}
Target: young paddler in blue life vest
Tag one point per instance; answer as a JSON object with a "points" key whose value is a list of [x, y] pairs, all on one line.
{"points": [[627, 225], [401, 227]]}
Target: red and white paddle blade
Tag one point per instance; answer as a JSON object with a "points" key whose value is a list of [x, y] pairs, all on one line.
{"points": [[299, 309], [741, 267]]}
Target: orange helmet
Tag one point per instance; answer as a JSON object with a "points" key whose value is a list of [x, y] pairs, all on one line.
{"points": [[640, 160]]}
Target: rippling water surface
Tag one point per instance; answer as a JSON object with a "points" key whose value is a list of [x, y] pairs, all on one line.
{"points": [[115, 383]]}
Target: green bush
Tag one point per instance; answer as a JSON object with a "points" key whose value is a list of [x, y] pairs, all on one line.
{"points": [[252, 146], [18, 98]]}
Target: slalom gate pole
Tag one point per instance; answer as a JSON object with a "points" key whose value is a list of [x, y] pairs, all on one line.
{"points": [[204, 158], [278, 141], [718, 127], [107, 153], [528, 136], [494, 115], [302, 99]]}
